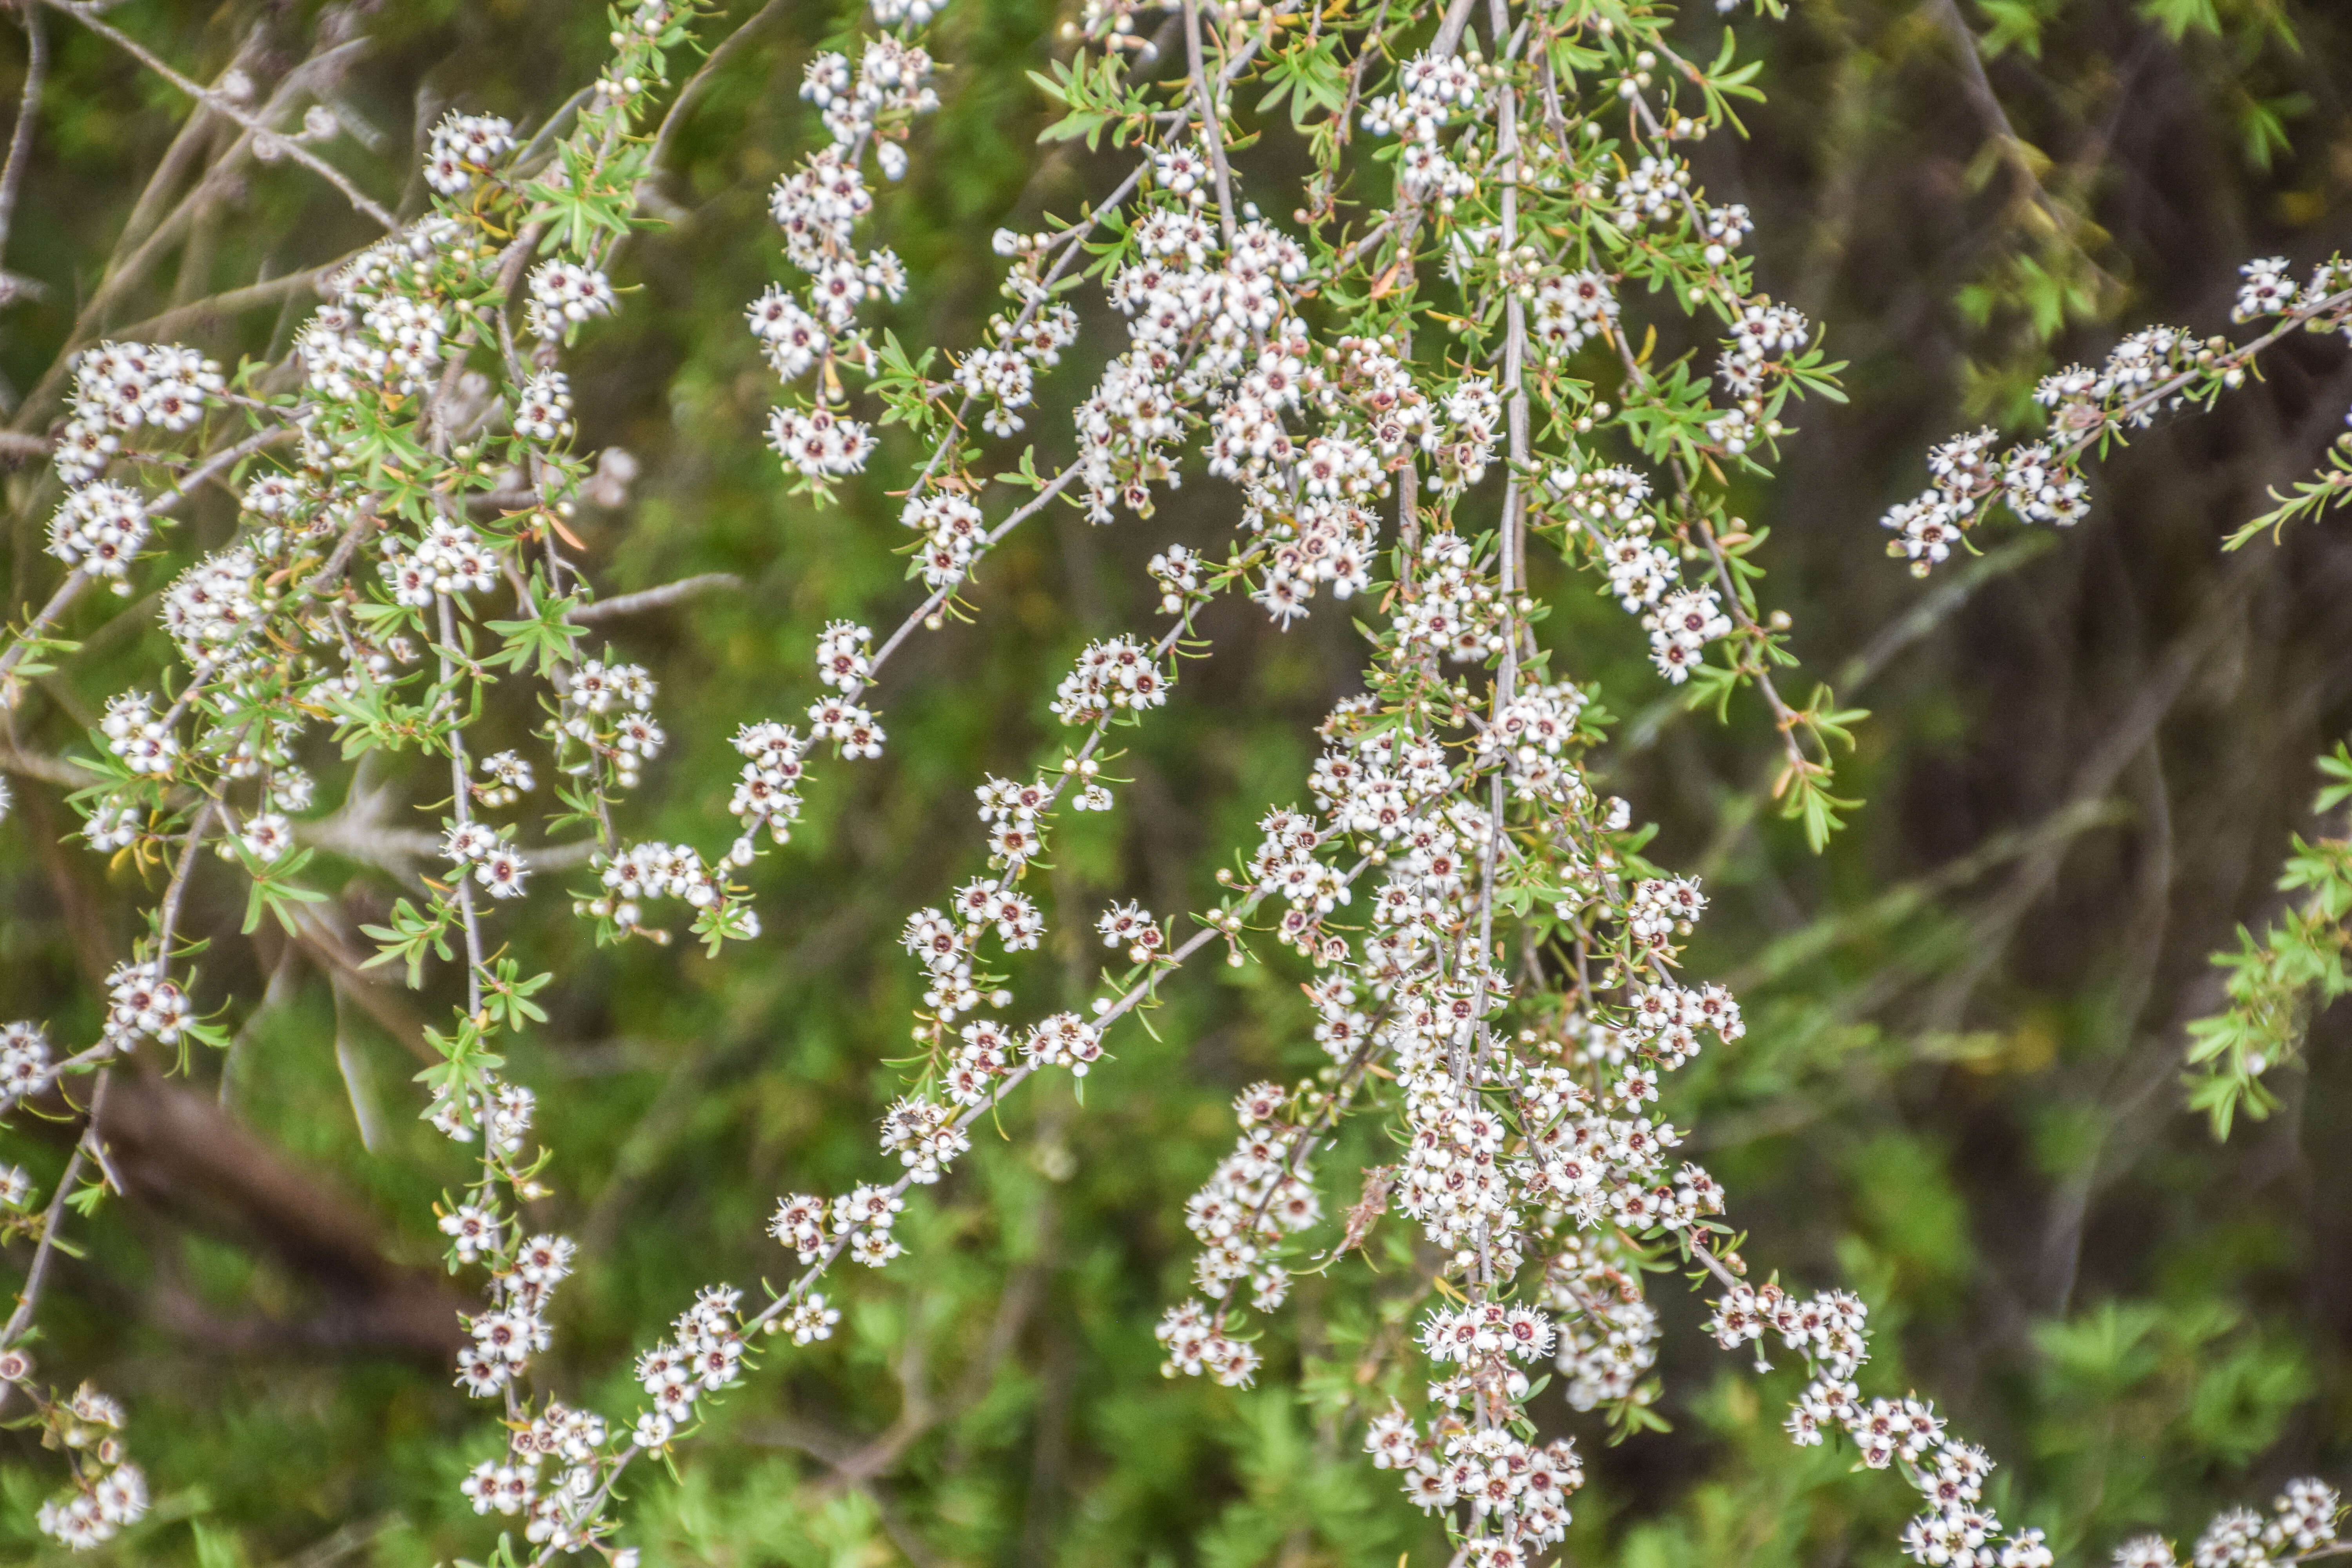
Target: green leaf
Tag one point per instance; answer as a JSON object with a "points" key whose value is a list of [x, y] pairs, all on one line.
{"points": [[2178, 18]]}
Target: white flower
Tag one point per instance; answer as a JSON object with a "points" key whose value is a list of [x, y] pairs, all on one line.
{"points": [[2267, 290], [464, 147], [267, 836], [543, 409], [794, 340], [502, 871], [843, 656], [819, 443], [100, 528], [810, 1320], [567, 294], [473, 1230]]}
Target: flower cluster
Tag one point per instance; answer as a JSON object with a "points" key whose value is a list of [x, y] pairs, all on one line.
{"points": [[142, 1004], [1258, 1195], [893, 85], [818, 207], [120, 389], [100, 528], [954, 534], [25, 1064], [378, 335], [2151, 370], [1194, 1345], [656, 871], [212, 606], [818, 442], [766, 791], [705, 1356], [1571, 308], [463, 148], [506, 1338], [1508, 991], [1433, 87], [1116, 675], [110, 1493], [1492, 1472], [606, 716], [450, 558], [563, 295], [1004, 373]]}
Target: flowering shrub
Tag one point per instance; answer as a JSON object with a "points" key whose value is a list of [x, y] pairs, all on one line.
{"points": [[1429, 397]]}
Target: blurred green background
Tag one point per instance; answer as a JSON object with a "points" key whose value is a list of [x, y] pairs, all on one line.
{"points": [[1958, 1094]]}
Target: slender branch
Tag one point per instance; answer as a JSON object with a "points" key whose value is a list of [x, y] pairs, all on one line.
{"points": [[940, 595], [228, 303], [29, 1294], [220, 103], [1976, 86], [225, 460], [43, 619], [168, 916], [656, 599], [148, 210], [62, 771], [1786, 718], [675, 115], [20, 140], [461, 807], [1212, 129]]}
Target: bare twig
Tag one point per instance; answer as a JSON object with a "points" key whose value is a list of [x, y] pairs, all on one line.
{"points": [[44, 1249], [656, 599], [63, 771], [228, 303], [675, 116], [221, 104], [43, 619], [1211, 130], [924, 611], [1976, 88], [20, 140]]}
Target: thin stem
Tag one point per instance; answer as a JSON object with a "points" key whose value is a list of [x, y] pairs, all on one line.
{"points": [[168, 916], [1786, 718], [220, 103], [675, 116], [39, 1272], [44, 618], [226, 458], [20, 140], [461, 807], [1212, 128], [654, 598], [941, 594]]}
